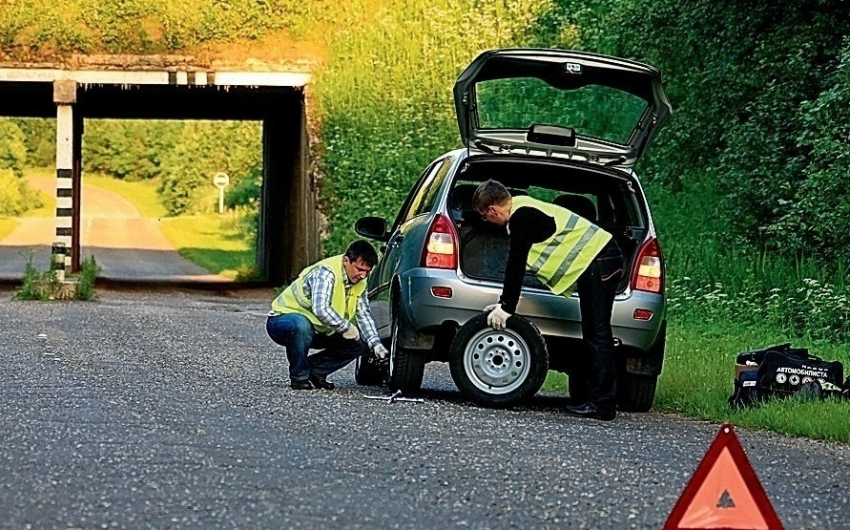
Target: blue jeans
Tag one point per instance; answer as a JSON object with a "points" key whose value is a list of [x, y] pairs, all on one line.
{"points": [[295, 332], [596, 289]]}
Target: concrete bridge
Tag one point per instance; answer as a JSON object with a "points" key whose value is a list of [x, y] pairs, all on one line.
{"points": [[176, 88]]}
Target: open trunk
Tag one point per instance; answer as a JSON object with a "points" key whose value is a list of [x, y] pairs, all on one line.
{"points": [[606, 197]]}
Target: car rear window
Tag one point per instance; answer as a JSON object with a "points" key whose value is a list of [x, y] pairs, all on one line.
{"points": [[593, 110]]}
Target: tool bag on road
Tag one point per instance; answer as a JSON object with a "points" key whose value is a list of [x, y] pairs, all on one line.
{"points": [[782, 371]]}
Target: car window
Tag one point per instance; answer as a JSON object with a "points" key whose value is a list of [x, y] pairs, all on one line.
{"points": [[426, 193], [414, 193], [592, 110]]}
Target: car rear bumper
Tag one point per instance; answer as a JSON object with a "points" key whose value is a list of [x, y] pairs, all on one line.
{"points": [[424, 310]]}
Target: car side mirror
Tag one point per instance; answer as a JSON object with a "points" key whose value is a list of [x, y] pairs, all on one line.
{"points": [[372, 227]]}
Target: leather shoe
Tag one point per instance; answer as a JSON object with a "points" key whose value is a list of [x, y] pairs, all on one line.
{"points": [[319, 381], [590, 410], [300, 385]]}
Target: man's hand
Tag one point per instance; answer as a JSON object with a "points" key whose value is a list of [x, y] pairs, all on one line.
{"points": [[352, 333], [491, 307], [498, 318], [381, 353]]}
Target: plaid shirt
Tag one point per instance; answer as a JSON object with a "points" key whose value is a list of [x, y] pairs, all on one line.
{"points": [[318, 286]]}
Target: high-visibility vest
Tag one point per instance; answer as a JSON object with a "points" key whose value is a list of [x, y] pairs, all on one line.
{"points": [[293, 300], [560, 260]]}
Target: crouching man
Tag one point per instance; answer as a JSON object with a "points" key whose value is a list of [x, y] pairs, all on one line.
{"points": [[326, 308]]}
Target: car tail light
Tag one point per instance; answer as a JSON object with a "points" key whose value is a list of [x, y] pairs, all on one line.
{"points": [[441, 292], [642, 314], [649, 273], [441, 245]]}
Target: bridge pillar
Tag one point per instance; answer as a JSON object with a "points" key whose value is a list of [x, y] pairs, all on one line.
{"points": [[68, 170]]}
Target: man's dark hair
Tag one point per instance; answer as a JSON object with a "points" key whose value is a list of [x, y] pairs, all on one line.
{"points": [[488, 193], [362, 249]]}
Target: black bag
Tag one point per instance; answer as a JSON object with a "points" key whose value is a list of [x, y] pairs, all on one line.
{"points": [[783, 371], [746, 392]]}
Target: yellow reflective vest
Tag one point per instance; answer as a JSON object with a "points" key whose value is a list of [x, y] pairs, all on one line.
{"points": [[560, 260], [293, 299]]}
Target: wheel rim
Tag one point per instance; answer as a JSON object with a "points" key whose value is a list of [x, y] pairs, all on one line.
{"points": [[497, 362], [393, 346]]}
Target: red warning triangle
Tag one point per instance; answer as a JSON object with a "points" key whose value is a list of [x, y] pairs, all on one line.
{"points": [[724, 493]]}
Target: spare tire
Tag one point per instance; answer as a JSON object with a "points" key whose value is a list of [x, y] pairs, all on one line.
{"points": [[498, 368]]}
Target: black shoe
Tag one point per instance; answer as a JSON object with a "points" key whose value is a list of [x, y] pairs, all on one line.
{"points": [[589, 410], [319, 381], [300, 385], [573, 401]]}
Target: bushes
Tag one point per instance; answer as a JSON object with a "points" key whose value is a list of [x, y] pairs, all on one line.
{"points": [[16, 197], [758, 89], [385, 101]]}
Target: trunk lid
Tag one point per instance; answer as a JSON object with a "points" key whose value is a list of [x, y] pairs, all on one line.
{"points": [[561, 103]]}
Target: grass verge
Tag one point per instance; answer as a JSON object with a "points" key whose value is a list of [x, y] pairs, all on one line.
{"points": [[698, 373], [7, 225], [212, 242]]}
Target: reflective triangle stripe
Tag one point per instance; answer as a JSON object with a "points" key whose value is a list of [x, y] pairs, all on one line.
{"points": [[554, 244]]}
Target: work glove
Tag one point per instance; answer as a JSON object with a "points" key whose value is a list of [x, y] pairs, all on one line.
{"points": [[498, 318], [352, 333], [381, 353], [491, 307]]}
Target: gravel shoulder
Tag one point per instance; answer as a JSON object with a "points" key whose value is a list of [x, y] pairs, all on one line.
{"points": [[171, 409]]}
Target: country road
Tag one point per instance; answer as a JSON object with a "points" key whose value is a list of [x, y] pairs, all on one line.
{"points": [[172, 410], [125, 245]]}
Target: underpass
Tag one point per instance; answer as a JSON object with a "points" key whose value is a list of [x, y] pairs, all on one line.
{"points": [[165, 88]]}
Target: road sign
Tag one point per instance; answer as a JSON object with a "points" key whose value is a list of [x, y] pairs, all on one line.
{"points": [[724, 492], [220, 181]]}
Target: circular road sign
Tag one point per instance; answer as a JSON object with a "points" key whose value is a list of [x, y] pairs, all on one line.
{"points": [[221, 180]]}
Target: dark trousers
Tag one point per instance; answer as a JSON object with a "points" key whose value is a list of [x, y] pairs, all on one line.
{"points": [[596, 372], [295, 332]]}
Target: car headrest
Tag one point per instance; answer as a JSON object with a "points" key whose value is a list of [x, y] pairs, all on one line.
{"points": [[461, 197], [578, 204]]}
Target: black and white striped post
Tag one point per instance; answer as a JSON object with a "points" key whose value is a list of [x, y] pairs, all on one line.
{"points": [[65, 96]]}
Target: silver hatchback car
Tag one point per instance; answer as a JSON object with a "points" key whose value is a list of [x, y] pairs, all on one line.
{"points": [[561, 126]]}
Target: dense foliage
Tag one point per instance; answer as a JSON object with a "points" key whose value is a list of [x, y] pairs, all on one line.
{"points": [[746, 181], [761, 91], [40, 27]]}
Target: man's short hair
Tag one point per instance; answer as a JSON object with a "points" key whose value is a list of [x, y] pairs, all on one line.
{"points": [[362, 249], [488, 193]]}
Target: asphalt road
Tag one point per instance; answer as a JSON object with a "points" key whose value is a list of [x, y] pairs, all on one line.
{"points": [[172, 410], [126, 245]]}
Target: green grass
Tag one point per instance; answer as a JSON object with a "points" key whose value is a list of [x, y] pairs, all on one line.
{"points": [[213, 242], [699, 368], [7, 225], [142, 193]]}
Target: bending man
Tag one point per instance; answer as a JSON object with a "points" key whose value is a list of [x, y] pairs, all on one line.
{"points": [[326, 308], [564, 251]]}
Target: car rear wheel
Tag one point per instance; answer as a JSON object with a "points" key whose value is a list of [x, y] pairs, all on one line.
{"points": [[368, 373], [498, 368], [636, 392], [407, 367]]}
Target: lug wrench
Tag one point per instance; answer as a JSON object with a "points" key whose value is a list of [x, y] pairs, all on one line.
{"points": [[396, 396]]}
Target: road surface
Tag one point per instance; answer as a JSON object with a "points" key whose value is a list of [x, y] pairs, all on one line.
{"points": [[125, 245], [172, 410]]}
